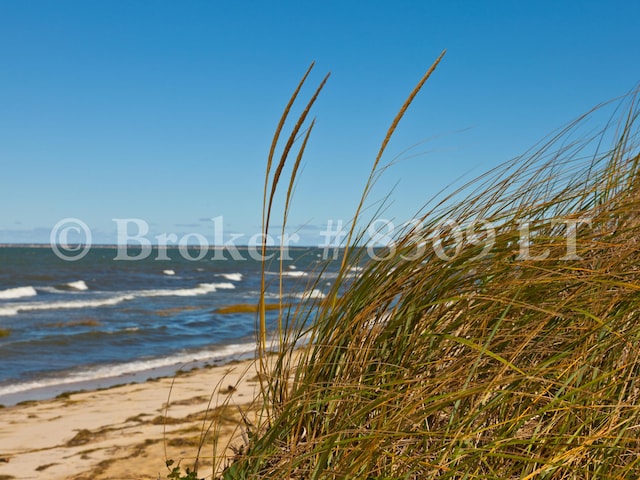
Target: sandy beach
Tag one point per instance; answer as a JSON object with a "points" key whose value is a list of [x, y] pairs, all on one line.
{"points": [[126, 432]]}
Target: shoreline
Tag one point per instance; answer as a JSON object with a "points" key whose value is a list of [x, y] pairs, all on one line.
{"points": [[65, 385], [122, 431]]}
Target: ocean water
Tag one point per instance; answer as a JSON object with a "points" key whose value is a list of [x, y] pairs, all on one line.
{"points": [[99, 321]]}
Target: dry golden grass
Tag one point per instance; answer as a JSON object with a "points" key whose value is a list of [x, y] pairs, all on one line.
{"points": [[449, 359]]}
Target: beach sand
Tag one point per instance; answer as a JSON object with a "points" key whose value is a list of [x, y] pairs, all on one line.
{"points": [[119, 433]]}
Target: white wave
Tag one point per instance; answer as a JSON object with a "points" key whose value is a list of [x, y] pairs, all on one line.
{"points": [[49, 289], [128, 329], [79, 285], [169, 272], [315, 293], [268, 295], [224, 352], [18, 292], [293, 274], [232, 277], [30, 307], [202, 289]]}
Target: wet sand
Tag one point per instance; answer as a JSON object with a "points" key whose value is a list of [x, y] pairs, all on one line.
{"points": [[126, 432]]}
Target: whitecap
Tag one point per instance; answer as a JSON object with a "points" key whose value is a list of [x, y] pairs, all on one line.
{"points": [[79, 285], [292, 274], [202, 289], [233, 277], [315, 293], [18, 292]]}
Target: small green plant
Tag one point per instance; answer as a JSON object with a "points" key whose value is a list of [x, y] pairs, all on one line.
{"points": [[176, 472]]}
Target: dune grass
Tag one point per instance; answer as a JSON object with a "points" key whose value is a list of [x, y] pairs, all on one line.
{"points": [[498, 337]]}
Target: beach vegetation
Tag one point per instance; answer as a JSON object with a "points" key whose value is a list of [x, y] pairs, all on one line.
{"points": [[498, 337], [83, 437], [176, 472], [249, 308], [67, 394]]}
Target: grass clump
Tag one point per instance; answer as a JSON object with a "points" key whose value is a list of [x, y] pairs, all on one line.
{"points": [[67, 395], [498, 337], [83, 437]]}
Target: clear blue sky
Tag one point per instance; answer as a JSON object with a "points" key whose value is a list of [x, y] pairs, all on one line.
{"points": [[164, 111]]}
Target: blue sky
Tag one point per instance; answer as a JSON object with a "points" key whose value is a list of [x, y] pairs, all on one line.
{"points": [[164, 111]]}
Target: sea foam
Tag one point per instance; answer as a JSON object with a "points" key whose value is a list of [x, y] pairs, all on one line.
{"points": [[79, 285], [18, 292], [315, 293], [202, 289], [222, 353], [291, 273], [232, 277]]}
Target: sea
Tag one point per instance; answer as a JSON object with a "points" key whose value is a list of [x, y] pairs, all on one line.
{"points": [[101, 321]]}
